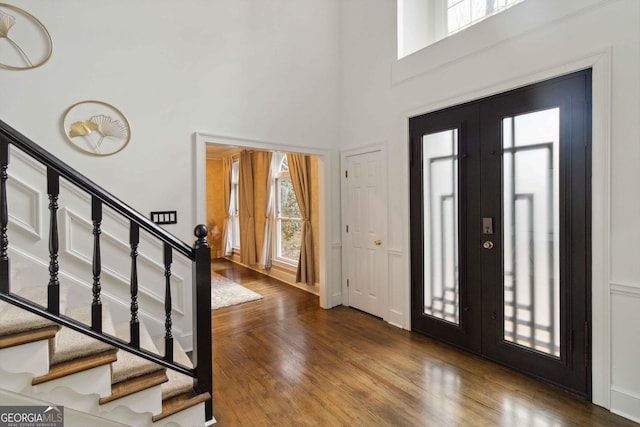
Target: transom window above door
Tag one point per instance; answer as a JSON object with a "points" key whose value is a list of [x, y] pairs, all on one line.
{"points": [[423, 22]]}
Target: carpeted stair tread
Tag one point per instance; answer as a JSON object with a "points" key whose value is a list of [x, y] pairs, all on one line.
{"points": [[129, 365], [179, 403], [77, 365], [26, 337], [134, 385], [14, 320], [69, 344], [178, 383]]}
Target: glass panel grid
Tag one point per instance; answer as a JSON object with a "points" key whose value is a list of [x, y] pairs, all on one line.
{"points": [[440, 169], [531, 219]]}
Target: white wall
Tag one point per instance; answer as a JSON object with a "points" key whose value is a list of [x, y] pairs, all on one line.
{"points": [[324, 74], [530, 42], [263, 70], [255, 70]]}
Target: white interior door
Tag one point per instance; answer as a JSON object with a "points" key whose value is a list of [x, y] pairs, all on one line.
{"points": [[365, 230]]}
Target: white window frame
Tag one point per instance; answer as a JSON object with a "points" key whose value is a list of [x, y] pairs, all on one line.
{"points": [[234, 217], [279, 176]]}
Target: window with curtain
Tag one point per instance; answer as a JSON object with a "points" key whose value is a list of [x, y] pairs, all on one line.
{"points": [[234, 218], [288, 219]]}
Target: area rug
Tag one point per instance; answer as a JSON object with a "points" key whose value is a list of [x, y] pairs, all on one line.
{"points": [[225, 292]]}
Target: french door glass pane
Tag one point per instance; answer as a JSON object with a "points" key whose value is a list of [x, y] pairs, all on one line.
{"points": [[530, 230], [440, 166]]}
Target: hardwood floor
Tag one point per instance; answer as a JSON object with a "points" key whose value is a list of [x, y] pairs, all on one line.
{"points": [[284, 361]]}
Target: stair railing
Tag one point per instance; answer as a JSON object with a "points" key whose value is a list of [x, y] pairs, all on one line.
{"points": [[199, 255]]}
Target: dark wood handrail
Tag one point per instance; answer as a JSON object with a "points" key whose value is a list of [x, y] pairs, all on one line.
{"points": [[50, 161]]}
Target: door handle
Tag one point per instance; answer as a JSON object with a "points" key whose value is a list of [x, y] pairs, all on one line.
{"points": [[377, 242], [487, 244]]}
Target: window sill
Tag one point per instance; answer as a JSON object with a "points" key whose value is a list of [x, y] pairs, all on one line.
{"points": [[284, 265]]}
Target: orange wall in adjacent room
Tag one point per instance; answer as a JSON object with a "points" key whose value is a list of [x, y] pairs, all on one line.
{"points": [[215, 205]]}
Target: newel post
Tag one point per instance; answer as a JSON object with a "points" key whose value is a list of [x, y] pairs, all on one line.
{"points": [[202, 316]]}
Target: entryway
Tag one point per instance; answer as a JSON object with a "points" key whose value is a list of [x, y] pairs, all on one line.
{"points": [[501, 226]]}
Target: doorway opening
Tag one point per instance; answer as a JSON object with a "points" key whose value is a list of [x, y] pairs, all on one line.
{"points": [[501, 228], [209, 150]]}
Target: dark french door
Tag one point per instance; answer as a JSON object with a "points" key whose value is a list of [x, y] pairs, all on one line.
{"points": [[500, 228]]}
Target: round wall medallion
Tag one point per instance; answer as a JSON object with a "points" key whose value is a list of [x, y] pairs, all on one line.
{"points": [[25, 42], [96, 127]]}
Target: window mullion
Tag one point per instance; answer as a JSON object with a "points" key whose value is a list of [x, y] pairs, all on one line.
{"points": [[439, 18]]}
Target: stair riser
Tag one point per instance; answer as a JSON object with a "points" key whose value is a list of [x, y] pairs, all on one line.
{"points": [[95, 381], [62, 396], [145, 401], [31, 358], [72, 418], [193, 416], [18, 383], [126, 416]]}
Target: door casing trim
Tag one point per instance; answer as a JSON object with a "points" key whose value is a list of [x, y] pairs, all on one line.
{"points": [[601, 64], [325, 166]]}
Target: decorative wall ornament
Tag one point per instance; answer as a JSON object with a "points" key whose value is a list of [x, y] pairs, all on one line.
{"points": [[96, 127], [25, 42]]}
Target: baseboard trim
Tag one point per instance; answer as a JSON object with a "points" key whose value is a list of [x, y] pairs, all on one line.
{"points": [[284, 278], [625, 403]]}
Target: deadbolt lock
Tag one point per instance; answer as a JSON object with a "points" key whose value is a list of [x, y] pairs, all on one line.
{"points": [[487, 245]]}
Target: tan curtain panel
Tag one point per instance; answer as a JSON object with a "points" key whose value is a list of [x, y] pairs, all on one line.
{"points": [[227, 167], [248, 253], [299, 170], [269, 167]]}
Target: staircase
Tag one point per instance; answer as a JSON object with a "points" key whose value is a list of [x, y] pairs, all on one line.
{"points": [[59, 366], [55, 351]]}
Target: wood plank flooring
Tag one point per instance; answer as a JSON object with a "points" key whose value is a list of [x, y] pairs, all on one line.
{"points": [[284, 361]]}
